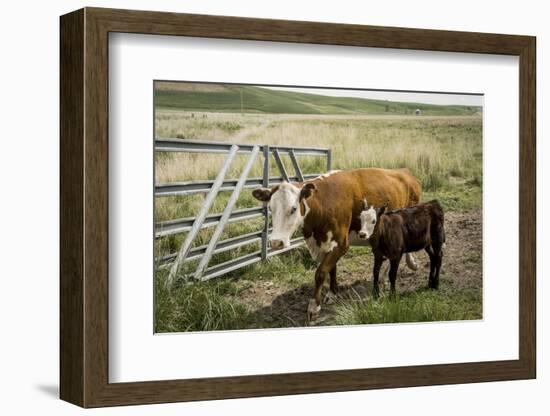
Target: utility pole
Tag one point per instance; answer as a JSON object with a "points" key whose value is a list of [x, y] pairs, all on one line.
{"points": [[241, 101]]}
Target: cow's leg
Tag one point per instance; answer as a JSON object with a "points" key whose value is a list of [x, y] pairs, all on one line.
{"points": [[378, 260], [394, 265], [333, 290], [314, 306], [327, 264], [411, 262]]}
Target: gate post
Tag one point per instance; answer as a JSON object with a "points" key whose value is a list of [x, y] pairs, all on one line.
{"points": [[265, 184]]}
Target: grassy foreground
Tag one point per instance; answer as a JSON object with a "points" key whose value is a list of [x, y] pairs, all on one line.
{"points": [[233, 302]]}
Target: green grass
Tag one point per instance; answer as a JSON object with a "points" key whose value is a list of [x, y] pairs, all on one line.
{"points": [[227, 98], [456, 197], [420, 306], [218, 305], [198, 307], [215, 304]]}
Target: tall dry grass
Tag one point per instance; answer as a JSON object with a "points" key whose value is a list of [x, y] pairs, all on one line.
{"points": [[445, 147]]}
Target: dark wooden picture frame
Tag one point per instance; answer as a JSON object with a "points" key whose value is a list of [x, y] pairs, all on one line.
{"points": [[84, 207]]}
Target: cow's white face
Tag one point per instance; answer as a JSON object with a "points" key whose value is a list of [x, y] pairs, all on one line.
{"points": [[368, 221], [286, 213], [286, 217]]}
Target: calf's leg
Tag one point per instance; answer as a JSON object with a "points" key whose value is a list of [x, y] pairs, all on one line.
{"points": [[378, 260], [436, 261], [431, 254], [394, 265]]}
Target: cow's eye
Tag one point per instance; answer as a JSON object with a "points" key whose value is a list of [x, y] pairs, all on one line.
{"points": [[374, 221], [293, 210]]}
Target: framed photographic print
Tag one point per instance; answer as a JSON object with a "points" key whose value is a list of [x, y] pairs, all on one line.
{"points": [[256, 207]]}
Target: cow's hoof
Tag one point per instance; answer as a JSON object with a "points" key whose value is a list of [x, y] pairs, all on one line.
{"points": [[313, 310], [329, 297]]}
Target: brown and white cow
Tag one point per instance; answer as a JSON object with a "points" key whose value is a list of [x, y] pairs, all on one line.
{"points": [[394, 233], [327, 209]]}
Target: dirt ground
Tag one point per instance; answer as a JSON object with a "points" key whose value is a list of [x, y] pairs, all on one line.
{"points": [[276, 303]]}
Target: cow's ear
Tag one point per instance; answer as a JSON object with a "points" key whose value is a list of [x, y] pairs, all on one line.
{"points": [[262, 194], [380, 211], [307, 190]]}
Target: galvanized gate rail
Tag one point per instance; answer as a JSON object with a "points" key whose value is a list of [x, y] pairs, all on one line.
{"points": [[193, 225]]}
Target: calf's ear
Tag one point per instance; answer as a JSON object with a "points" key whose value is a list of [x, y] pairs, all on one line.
{"points": [[262, 194], [307, 190]]}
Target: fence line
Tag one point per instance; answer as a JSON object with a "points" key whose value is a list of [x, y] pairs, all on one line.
{"points": [[200, 146], [202, 186], [192, 225], [185, 224]]}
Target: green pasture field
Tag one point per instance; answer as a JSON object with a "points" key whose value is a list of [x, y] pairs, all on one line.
{"points": [[443, 150]]}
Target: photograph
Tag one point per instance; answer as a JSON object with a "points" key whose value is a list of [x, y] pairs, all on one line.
{"points": [[292, 206]]}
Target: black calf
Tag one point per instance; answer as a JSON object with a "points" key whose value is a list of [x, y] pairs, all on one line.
{"points": [[406, 230]]}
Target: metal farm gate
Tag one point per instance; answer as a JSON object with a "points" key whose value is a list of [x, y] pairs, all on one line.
{"points": [[211, 188]]}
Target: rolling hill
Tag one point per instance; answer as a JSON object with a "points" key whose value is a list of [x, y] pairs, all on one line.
{"points": [[250, 99]]}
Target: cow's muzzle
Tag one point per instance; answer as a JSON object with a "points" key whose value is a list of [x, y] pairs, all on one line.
{"points": [[363, 235], [277, 244]]}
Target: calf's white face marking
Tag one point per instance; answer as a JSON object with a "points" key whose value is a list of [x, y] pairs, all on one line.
{"points": [[368, 221]]}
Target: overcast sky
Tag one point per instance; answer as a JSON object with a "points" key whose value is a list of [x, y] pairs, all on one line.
{"points": [[415, 97]]}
